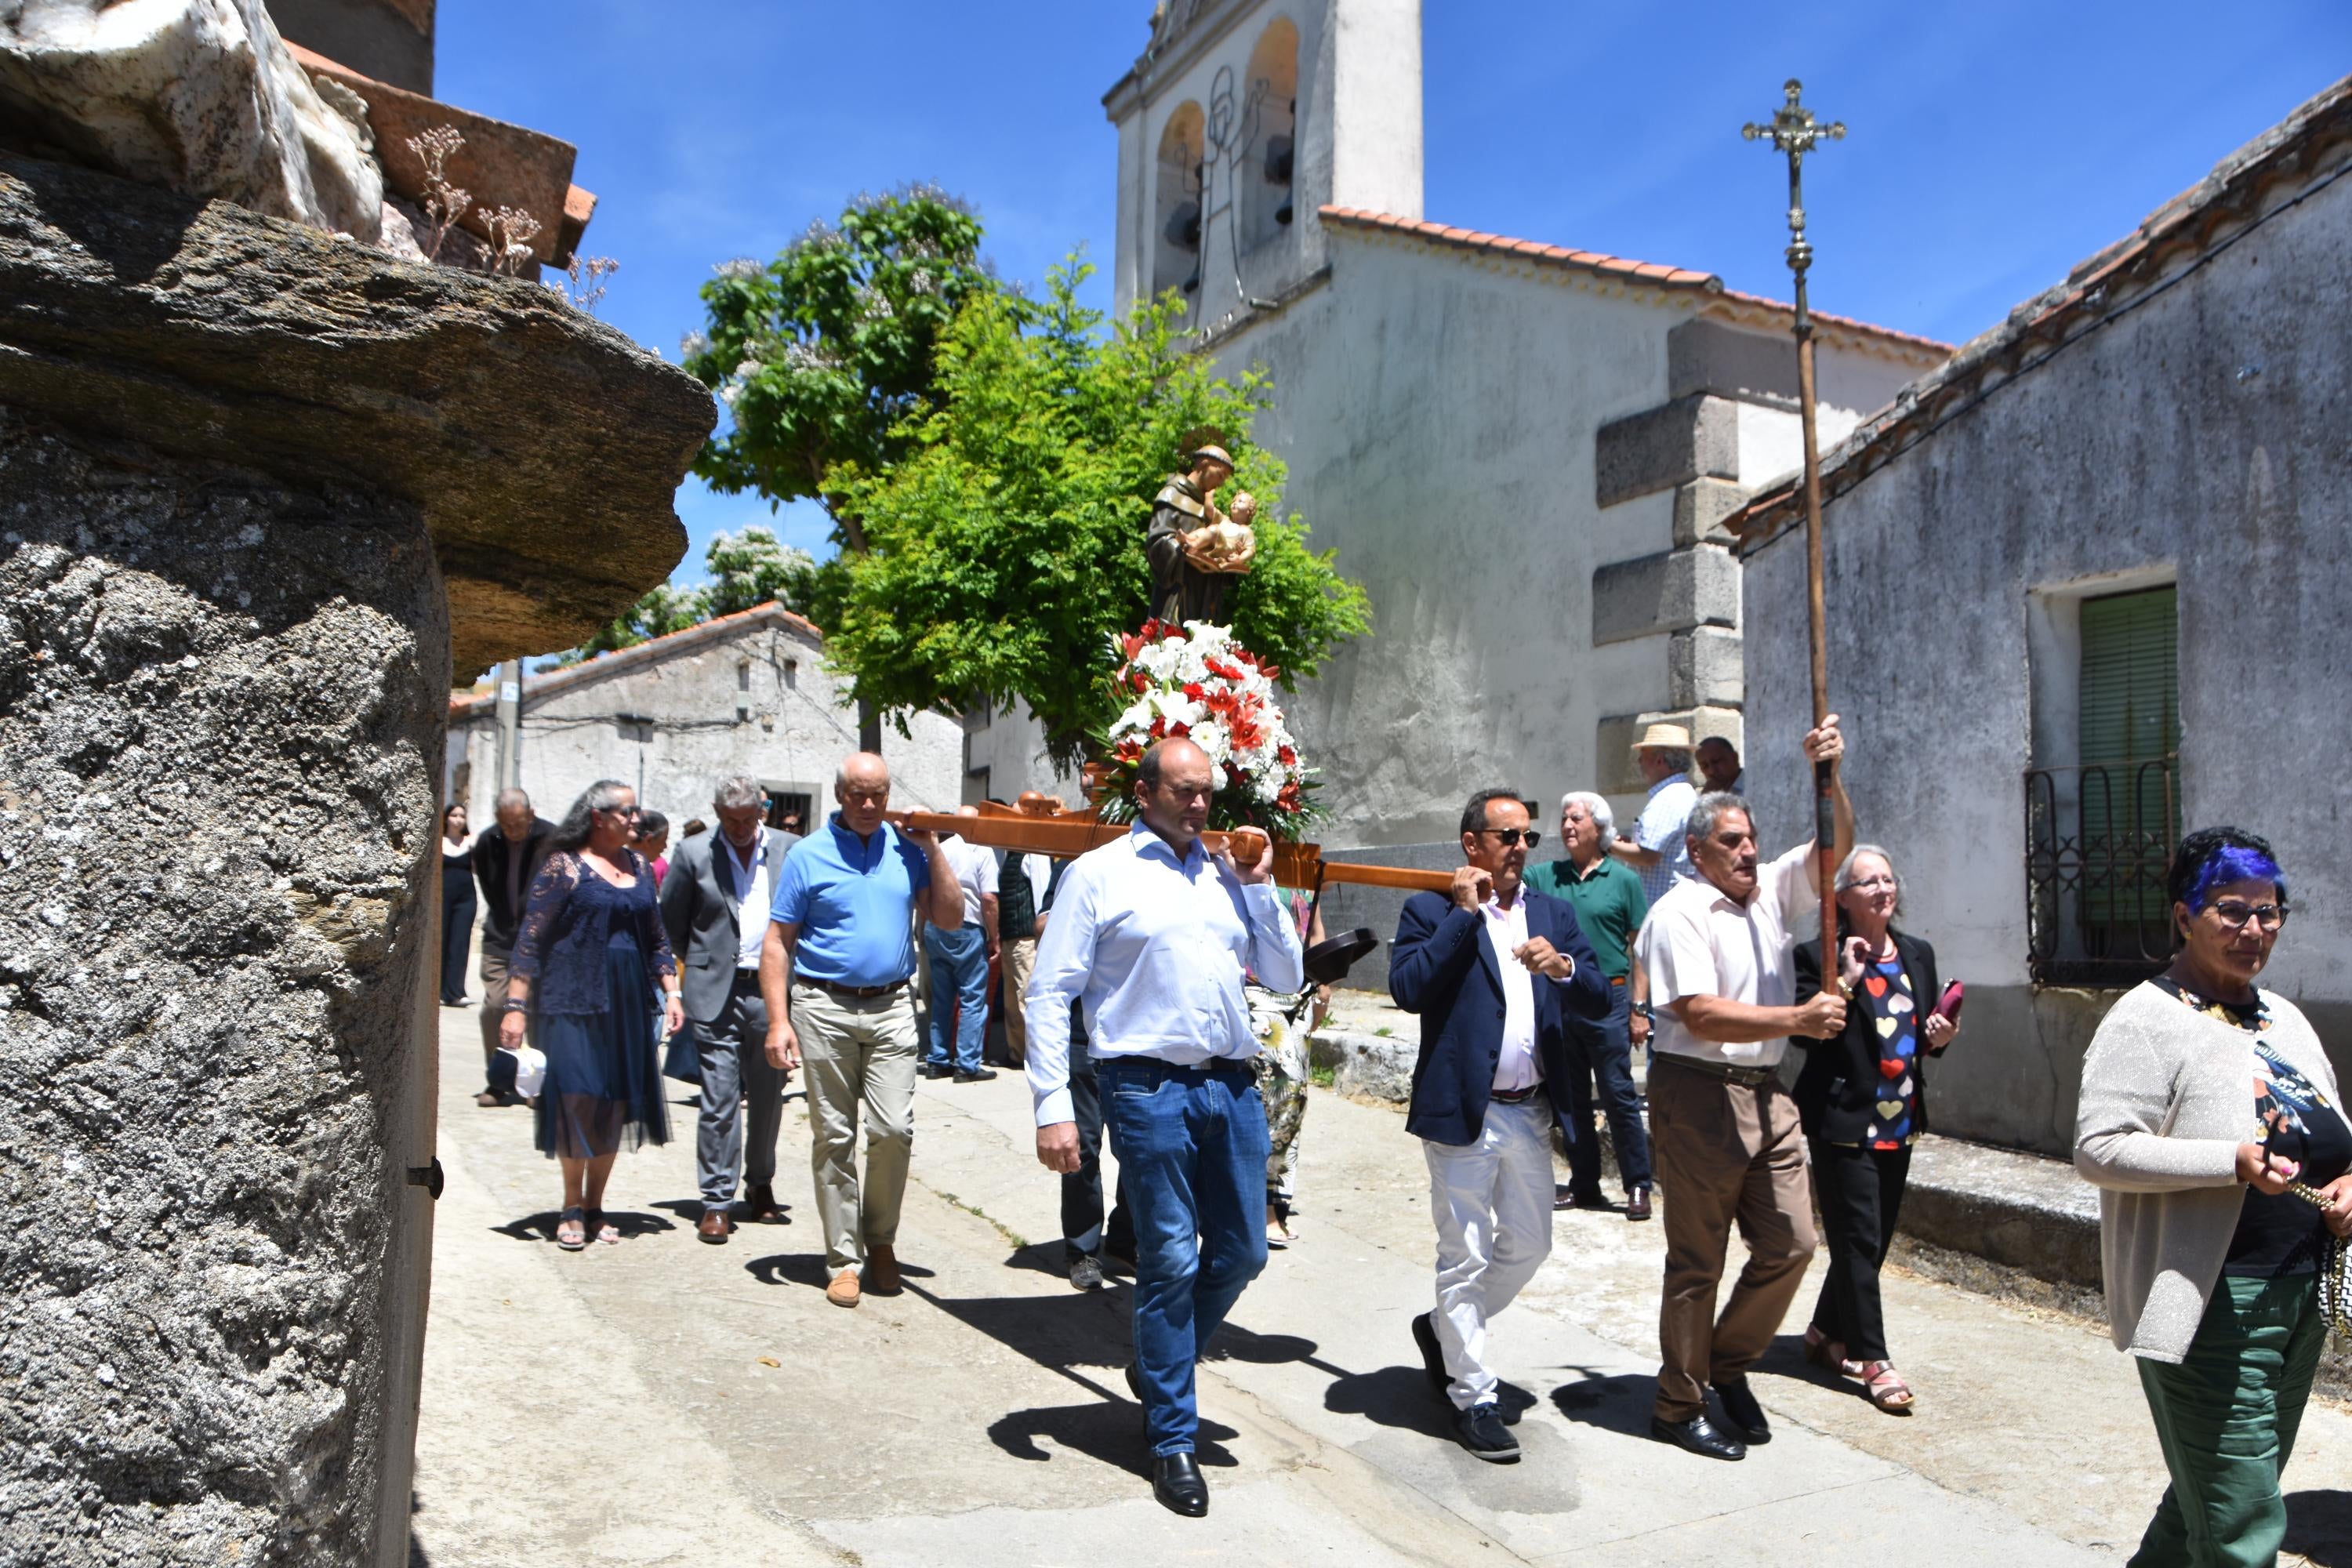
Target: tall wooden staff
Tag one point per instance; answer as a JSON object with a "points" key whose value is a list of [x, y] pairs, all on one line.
{"points": [[1796, 132]]}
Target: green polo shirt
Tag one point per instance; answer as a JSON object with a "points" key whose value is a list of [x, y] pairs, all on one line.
{"points": [[1607, 900]]}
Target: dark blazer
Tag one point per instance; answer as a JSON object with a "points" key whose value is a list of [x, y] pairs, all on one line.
{"points": [[705, 922], [502, 920], [1841, 1075], [1443, 968]]}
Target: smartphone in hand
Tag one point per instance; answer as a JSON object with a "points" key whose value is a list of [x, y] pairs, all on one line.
{"points": [[1949, 1006]]}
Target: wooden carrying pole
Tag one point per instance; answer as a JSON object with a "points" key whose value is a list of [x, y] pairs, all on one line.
{"points": [[1066, 835], [1795, 132]]}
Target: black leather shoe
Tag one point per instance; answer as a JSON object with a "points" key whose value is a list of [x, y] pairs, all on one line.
{"points": [[977, 1075], [1176, 1482], [933, 1069], [1432, 1358], [1697, 1434], [1480, 1429], [1134, 1383], [1637, 1203], [1742, 1414]]}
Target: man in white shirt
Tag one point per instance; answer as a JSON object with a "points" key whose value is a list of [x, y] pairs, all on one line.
{"points": [[1656, 847], [1150, 934], [960, 960], [1493, 971], [1724, 1135]]}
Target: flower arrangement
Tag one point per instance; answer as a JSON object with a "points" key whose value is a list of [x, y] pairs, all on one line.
{"points": [[1196, 681]]}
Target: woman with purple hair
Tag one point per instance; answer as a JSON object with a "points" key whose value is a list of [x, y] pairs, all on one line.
{"points": [[2211, 1124]]}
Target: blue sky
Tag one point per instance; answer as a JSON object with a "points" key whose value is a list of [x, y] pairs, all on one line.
{"points": [[1993, 143]]}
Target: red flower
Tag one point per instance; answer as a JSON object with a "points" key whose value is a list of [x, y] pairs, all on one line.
{"points": [[1131, 645], [1192, 690], [1290, 799], [1180, 728], [1159, 728], [1141, 681], [1287, 757]]}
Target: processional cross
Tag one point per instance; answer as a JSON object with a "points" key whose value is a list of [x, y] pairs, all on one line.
{"points": [[1795, 132]]}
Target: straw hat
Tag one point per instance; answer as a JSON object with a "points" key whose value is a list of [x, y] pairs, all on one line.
{"points": [[1665, 737]]}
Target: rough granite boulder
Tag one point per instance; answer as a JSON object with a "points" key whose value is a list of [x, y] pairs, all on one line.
{"points": [[236, 456]]}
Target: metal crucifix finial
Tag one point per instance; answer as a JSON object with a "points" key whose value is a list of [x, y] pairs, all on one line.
{"points": [[1795, 132]]}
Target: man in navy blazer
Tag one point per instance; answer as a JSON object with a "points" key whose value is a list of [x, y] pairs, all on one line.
{"points": [[1493, 970]]}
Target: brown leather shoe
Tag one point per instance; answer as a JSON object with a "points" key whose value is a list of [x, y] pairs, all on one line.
{"points": [[759, 1201], [1637, 1203], [843, 1291], [881, 1270], [714, 1226]]}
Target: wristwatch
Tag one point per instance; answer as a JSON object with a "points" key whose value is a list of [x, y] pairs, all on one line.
{"points": [[1649, 1014]]}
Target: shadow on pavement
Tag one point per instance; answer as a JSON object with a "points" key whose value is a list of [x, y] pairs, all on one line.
{"points": [[1620, 1403], [691, 1211], [2319, 1527], [540, 1226], [808, 1269]]}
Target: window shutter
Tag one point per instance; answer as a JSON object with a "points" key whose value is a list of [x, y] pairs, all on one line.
{"points": [[2129, 716]]}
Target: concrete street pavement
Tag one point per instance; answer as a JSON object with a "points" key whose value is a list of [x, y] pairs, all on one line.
{"points": [[664, 1401]]}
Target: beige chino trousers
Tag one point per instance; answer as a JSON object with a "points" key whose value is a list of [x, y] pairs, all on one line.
{"points": [[1020, 964], [857, 1055], [1726, 1155]]}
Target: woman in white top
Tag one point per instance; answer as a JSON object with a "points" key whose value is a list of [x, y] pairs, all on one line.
{"points": [[2209, 1119], [457, 905]]}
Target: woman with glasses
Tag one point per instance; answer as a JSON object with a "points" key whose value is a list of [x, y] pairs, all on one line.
{"points": [[589, 956], [2210, 1122], [1863, 1100]]}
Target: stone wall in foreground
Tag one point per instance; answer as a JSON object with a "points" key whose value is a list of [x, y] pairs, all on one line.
{"points": [[220, 701]]}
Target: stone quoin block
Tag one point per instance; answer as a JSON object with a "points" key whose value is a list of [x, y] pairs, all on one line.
{"points": [[1667, 593], [1700, 508], [1703, 356], [1613, 738], [1704, 667], [1690, 438]]}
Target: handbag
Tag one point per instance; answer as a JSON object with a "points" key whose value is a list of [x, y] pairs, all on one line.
{"points": [[681, 1060]]}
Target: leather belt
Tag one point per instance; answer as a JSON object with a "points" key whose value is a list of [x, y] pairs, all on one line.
{"points": [[1747, 1078], [857, 992], [1516, 1096]]}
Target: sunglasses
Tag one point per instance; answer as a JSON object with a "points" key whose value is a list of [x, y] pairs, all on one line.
{"points": [[1510, 836]]}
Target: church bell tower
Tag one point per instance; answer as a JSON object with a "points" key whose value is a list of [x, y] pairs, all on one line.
{"points": [[1239, 120]]}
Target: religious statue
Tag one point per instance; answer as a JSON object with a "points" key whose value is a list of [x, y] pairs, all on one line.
{"points": [[1197, 551]]}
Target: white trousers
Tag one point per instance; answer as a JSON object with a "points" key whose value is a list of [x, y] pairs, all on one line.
{"points": [[1492, 1202]]}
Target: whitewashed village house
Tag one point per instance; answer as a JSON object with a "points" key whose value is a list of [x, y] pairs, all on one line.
{"points": [[2088, 587], [746, 693]]}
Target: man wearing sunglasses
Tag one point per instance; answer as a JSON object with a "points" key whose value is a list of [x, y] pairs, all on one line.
{"points": [[1494, 969]]}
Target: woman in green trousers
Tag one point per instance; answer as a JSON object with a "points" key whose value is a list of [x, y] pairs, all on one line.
{"points": [[2209, 1121]]}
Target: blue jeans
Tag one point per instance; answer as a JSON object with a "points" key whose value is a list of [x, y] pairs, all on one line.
{"points": [[959, 978], [1603, 1050], [1191, 1147]]}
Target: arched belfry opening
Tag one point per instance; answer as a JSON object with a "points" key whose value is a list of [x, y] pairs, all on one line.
{"points": [[1269, 171], [1177, 216]]}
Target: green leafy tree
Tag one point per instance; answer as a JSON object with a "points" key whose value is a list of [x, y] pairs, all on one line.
{"points": [[823, 355], [1005, 545]]}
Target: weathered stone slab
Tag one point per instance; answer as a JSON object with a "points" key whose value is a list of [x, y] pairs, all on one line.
{"points": [[541, 447], [1704, 667], [1692, 438], [1713, 357]]}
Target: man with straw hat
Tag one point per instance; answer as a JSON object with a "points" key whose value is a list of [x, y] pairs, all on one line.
{"points": [[1656, 847]]}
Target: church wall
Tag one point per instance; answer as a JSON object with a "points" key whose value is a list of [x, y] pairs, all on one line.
{"points": [[1949, 566], [1438, 419]]}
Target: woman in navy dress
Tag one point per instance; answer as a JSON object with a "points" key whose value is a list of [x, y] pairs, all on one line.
{"points": [[589, 962]]}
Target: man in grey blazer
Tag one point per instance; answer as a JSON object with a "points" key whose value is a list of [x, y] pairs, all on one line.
{"points": [[714, 878]]}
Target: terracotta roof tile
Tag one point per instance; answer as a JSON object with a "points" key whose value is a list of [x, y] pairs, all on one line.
{"points": [[712, 630]]}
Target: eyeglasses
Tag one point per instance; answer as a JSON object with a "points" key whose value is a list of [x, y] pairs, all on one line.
{"points": [[1510, 836], [2270, 917], [620, 810], [1871, 884]]}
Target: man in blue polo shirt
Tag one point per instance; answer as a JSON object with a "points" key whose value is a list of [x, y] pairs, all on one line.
{"points": [[834, 971]]}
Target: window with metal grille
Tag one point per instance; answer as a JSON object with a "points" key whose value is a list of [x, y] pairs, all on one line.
{"points": [[2100, 831]]}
